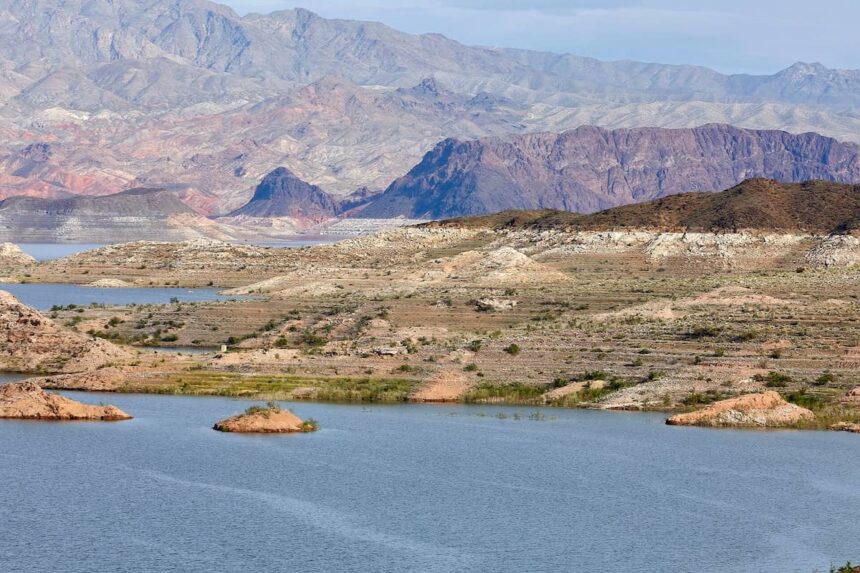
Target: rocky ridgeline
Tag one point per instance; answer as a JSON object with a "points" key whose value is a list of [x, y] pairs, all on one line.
{"points": [[31, 342], [189, 255], [723, 248], [12, 257]]}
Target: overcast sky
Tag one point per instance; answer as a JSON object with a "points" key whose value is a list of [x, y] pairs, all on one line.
{"points": [[755, 36]]}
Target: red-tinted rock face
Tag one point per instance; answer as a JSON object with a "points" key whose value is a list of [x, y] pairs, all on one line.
{"points": [[588, 169]]}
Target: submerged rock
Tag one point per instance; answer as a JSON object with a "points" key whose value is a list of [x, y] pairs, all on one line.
{"points": [[764, 410], [27, 401], [265, 420]]}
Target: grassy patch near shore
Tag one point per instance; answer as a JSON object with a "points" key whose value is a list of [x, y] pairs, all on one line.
{"points": [[515, 393], [827, 415], [324, 389]]}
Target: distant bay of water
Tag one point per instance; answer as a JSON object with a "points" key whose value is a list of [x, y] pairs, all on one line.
{"points": [[45, 295], [52, 251]]}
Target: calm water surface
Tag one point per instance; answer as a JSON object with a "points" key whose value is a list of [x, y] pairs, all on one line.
{"points": [[51, 251], [45, 295], [415, 488]]}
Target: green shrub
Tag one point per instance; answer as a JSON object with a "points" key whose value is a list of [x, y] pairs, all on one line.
{"points": [[773, 379]]}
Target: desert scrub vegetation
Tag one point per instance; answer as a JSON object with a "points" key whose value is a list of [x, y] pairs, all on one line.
{"points": [[514, 393], [513, 349], [323, 389]]}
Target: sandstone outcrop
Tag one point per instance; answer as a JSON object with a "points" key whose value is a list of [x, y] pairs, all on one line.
{"points": [[31, 342], [27, 401], [764, 410], [265, 420]]}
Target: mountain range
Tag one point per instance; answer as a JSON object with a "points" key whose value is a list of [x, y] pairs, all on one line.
{"points": [[98, 96], [583, 170]]}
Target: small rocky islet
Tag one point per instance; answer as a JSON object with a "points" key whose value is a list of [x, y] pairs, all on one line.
{"points": [[268, 419]]}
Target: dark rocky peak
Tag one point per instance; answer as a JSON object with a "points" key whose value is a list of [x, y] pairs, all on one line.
{"points": [[282, 194]]}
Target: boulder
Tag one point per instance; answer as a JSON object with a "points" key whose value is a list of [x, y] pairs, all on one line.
{"points": [[27, 401], [763, 410], [494, 304]]}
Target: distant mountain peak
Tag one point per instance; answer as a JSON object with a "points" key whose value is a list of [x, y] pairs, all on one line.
{"points": [[282, 194]]}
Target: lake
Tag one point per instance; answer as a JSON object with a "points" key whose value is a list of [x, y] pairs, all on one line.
{"points": [[51, 251], [421, 488], [45, 295]]}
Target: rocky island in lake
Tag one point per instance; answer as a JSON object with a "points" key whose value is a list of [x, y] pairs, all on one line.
{"points": [[268, 419]]}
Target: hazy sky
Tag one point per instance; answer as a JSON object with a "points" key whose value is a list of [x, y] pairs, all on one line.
{"points": [[756, 36]]}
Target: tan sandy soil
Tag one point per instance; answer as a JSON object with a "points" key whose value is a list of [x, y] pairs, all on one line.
{"points": [[270, 357], [669, 310], [767, 410], [446, 386], [27, 401]]}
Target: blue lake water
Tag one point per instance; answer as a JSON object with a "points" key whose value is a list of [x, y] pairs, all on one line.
{"points": [[421, 488], [45, 295], [51, 251]]}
